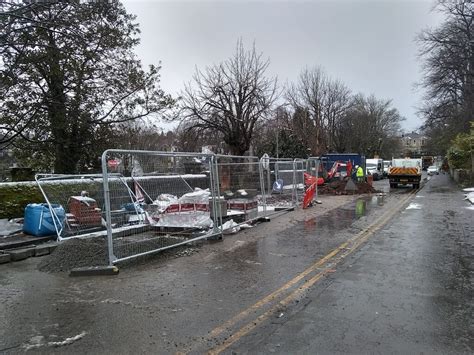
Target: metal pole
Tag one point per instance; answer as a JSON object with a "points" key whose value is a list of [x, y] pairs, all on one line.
{"points": [[51, 209], [108, 215]]}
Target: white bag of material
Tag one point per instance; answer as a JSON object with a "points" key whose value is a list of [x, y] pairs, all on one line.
{"points": [[230, 227], [197, 196], [184, 220], [164, 200]]}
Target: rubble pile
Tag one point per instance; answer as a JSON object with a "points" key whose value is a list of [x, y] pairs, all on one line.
{"points": [[339, 188]]}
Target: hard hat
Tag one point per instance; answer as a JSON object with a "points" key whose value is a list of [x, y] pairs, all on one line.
{"points": [[356, 166]]}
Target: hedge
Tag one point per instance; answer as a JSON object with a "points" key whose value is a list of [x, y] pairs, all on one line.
{"points": [[15, 196]]}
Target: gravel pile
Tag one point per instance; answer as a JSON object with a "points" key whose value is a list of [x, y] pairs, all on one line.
{"points": [[89, 252], [76, 253]]}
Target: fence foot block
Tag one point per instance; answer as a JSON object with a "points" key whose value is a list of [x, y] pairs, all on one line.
{"points": [[215, 237], [277, 209], [95, 271]]}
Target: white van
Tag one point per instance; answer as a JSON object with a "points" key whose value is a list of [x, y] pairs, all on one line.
{"points": [[374, 167], [386, 166]]}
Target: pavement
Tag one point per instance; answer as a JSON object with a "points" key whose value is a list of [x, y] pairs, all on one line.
{"points": [[375, 274]]}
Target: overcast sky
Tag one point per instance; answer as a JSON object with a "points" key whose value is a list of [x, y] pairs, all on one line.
{"points": [[369, 45]]}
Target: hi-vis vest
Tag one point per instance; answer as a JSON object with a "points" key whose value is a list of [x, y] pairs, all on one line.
{"points": [[360, 172]]}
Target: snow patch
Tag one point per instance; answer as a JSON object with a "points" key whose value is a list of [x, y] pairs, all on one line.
{"points": [[38, 341], [414, 206], [470, 197]]}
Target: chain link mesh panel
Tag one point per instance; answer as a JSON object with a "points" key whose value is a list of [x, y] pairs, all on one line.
{"points": [[81, 197], [157, 200], [280, 184], [240, 188]]}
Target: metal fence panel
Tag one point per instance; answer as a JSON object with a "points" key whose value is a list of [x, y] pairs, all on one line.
{"points": [[81, 197], [239, 189], [299, 169], [280, 183], [148, 201], [157, 201]]}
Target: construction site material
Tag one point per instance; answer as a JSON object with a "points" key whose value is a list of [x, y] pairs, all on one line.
{"points": [[40, 222], [21, 240], [95, 271], [76, 253], [91, 252], [21, 254], [339, 188], [4, 258], [45, 249], [9, 227]]}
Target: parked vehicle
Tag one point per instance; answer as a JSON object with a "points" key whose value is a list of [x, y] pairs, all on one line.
{"points": [[405, 171], [386, 166], [426, 161], [374, 167], [433, 170]]}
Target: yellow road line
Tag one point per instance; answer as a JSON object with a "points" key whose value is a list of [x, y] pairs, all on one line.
{"points": [[363, 236], [220, 329]]}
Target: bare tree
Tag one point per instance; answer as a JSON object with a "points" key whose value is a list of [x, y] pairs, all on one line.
{"points": [[371, 126], [448, 54], [307, 96], [338, 102], [320, 102], [230, 98]]}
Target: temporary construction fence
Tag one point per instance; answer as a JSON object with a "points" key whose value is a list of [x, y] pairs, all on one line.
{"points": [[75, 203], [313, 168], [149, 201], [283, 182], [167, 199], [240, 189]]}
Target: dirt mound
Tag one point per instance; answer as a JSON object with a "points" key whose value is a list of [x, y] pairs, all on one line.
{"points": [[76, 253], [339, 188]]}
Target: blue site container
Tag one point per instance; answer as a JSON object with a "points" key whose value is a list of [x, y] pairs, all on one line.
{"points": [[39, 221], [356, 159]]}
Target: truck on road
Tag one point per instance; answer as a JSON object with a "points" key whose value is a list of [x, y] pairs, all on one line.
{"points": [[405, 171]]}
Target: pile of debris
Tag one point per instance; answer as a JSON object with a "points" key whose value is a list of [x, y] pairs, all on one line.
{"points": [[346, 187], [90, 252], [76, 253]]}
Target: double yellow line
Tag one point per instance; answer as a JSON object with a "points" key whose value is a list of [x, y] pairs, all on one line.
{"points": [[325, 266]]}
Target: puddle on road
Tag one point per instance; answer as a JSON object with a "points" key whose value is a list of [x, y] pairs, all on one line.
{"points": [[343, 217]]}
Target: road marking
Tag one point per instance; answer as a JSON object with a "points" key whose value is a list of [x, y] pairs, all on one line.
{"points": [[362, 236], [277, 293]]}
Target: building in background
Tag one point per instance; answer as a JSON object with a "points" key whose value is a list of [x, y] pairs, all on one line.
{"points": [[414, 144]]}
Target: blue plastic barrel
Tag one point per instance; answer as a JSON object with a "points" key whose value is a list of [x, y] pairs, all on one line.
{"points": [[39, 221]]}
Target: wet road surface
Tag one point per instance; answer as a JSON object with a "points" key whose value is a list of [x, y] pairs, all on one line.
{"points": [[409, 290], [288, 286]]}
